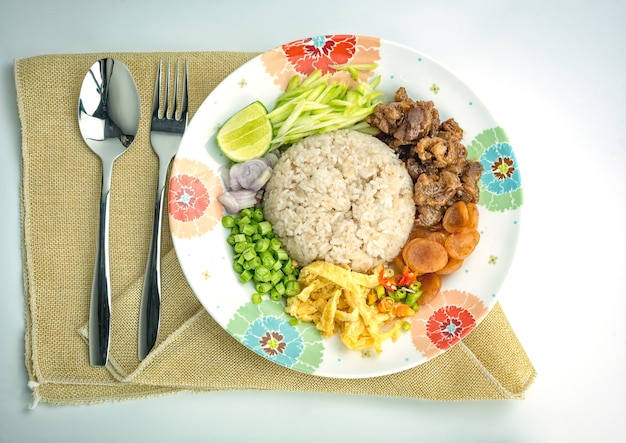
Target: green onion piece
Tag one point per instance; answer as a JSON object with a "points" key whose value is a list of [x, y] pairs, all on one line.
{"points": [[246, 212], [256, 298], [263, 287], [265, 228], [277, 266], [290, 277], [288, 268], [245, 276], [267, 258], [277, 276], [239, 238], [238, 268], [275, 244], [262, 245], [280, 287], [281, 254], [262, 274], [248, 229], [228, 221], [240, 247], [274, 295], [257, 214], [255, 262], [292, 288], [249, 253]]}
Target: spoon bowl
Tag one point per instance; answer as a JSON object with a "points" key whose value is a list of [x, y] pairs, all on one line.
{"points": [[108, 117]]}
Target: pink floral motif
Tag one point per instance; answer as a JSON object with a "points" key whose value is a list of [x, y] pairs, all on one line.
{"points": [[320, 52], [445, 321], [192, 202]]}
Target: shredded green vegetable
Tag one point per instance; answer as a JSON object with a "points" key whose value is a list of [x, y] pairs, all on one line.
{"points": [[318, 104], [259, 256]]}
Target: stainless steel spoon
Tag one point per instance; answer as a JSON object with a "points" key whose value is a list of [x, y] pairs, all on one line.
{"points": [[108, 117]]}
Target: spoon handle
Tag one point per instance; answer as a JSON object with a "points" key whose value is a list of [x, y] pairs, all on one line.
{"points": [[150, 310], [100, 308]]}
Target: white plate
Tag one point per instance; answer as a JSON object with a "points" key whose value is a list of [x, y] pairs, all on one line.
{"points": [[205, 257]]}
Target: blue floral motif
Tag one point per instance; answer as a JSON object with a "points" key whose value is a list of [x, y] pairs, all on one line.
{"points": [[501, 184], [500, 172], [266, 329], [275, 339]]}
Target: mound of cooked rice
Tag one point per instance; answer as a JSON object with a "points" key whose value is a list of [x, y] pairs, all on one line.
{"points": [[343, 197]]}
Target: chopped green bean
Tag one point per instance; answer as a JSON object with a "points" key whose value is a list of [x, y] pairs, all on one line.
{"points": [[256, 298], [259, 255], [245, 276], [265, 227], [228, 221]]}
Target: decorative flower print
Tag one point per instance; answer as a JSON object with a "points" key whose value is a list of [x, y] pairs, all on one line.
{"points": [[265, 329], [272, 343], [500, 176], [445, 321], [501, 184], [320, 52], [275, 339], [448, 325], [503, 168], [192, 202]]}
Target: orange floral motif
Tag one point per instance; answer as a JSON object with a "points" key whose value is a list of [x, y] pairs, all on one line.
{"points": [[320, 52], [192, 204], [445, 321]]}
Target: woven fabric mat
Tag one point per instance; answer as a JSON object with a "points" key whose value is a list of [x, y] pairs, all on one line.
{"points": [[60, 198]]}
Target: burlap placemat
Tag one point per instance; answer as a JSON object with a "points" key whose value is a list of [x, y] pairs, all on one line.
{"points": [[60, 197]]}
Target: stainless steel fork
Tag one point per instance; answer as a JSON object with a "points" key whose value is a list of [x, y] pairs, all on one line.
{"points": [[169, 121]]}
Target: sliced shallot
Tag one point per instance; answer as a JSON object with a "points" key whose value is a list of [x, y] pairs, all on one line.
{"points": [[235, 201]]}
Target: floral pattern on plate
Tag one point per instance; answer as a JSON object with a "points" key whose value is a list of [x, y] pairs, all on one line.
{"points": [[206, 259], [266, 329], [321, 52], [500, 184], [192, 199], [445, 321]]}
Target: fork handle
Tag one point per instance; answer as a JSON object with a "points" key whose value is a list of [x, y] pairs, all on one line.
{"points": [[150, 311]]}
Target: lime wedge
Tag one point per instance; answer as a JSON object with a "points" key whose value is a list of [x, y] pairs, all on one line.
{"points": [[247, 134]]}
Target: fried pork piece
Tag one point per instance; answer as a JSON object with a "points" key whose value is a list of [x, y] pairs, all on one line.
{"points": [[433, 152], [404, 120]]}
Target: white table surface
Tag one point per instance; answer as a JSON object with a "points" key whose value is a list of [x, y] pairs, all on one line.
{"points": [[553, 73]]}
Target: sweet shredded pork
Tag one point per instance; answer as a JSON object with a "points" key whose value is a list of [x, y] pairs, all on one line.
{"points": [[433, 153]]}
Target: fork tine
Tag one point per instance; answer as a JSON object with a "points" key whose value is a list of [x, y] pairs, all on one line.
{"points": [[174, 111], [167, 112], [183, 108], [157, 92]]}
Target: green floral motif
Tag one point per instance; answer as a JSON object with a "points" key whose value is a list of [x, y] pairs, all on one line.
{"points": [[265, 329], [500, 185]]}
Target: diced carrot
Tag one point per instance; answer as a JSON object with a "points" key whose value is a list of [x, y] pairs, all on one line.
{"points": [[403, 310]]}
